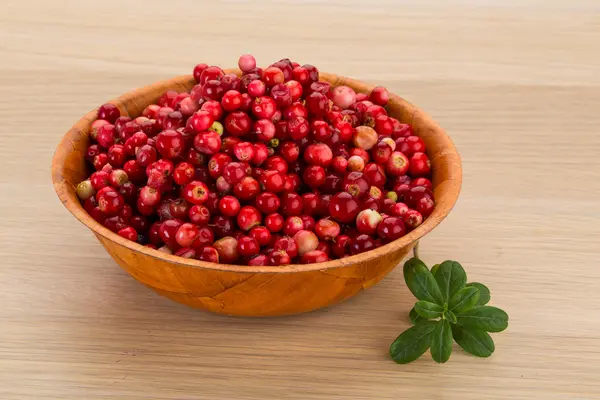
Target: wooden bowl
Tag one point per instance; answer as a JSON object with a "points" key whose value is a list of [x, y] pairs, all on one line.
{"points": [[256, 291]]}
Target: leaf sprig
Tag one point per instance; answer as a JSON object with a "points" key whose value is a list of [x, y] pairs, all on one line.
{"points": [[448, 309]]}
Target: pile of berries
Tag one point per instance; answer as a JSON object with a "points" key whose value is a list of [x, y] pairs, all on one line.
{"points": [[272, 167]]}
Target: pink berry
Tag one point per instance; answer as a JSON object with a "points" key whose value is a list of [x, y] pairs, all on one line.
{"points": [[306, 241], [247, 62], [343, 96], [367, 221]]}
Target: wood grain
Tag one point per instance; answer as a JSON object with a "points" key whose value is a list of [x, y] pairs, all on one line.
{"points": [[515, 85]]}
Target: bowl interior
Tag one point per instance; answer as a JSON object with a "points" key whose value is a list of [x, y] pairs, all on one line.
{"points": [[69, 168]]}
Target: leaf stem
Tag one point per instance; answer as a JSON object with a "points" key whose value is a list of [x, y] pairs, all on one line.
{"points": [[416, 250]]}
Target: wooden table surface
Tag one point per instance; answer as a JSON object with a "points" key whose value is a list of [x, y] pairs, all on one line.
{"points": [[515, 83]]}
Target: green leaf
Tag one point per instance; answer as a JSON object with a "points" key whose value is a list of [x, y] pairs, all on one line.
{"points": [[420, 282], [412, 343], [450, 277], [414, 317], [450, 316], [441, 341], [434, 268], [473, 341], [464, 300], [484, 293], [485, 318], [428, 310]]}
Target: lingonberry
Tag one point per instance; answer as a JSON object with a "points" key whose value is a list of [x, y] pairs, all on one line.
{"points": [[109, 112], [309, 222], [208, 254], [227, 248], [362, 243], [276, 163], [367, 221], [244, 151], [412, 219], [295, 89], [274, 222], [267, 202], [118, 177], [291, 204], [419, 164], [261, 234], [398, 210], [238, 123], [286, 67], [263, 107], [314, 176], [248, 246], [379, 95], [302, 75], [397, 164], [355, 164], [311, 204], [292, 225], [207, 142], [317, 104], [343, 207], [327, 229], [231, 82], [401, 130], [315, 256], [282, 96], [149, 196], [264, 130], [306, 241], [273, 76], [179, 208], [187, 234], [260, 260], [261, 153], [356, 184], [85, 190], [232, 100], [257, 88], [292, 183], [375, 174], [195, 192], [198, 69], [234, 172], [295, 110], [248, 188], [381, 153], [99, 180], [298, 128], [116, 155], [115, 223], [279, 257], [106, 136], [210, 73], [422, 182], [343, 96], [286, 244], [170, 144], [411, 145], [183, 173], [110, 202], [318, 154], [199, 215], [341, 246], [248, 217]]}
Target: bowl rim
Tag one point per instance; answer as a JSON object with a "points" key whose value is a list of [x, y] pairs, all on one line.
{"points": [[65, 189]]}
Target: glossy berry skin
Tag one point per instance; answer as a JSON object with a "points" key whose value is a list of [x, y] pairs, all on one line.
{"points": [[170, 144], [273, 76], [379, 95], [229, 206], [187, 234], [238, 123], [263, 107], [110, 202], [314, 256], [318, 154], [291, 204], [298, 128], [367, 221], [293, 225], [412, 219], [207, 142], [264, 129], [109, 112], [246, 189], [274, 222], [149, 196], [397, 164], [248, 218], [411, 145], [343, 207], [422, 182], [208, 254], [419, 165], [362, 243], [234, 172], [279, 257], [314, 176], [195, 192], [267, 202], [260, 260], [261, 234], [183, 173], [341, 246], [248, 246], [227, 248], [199, 215], [327, 229], [168, 230], [391, 228]]}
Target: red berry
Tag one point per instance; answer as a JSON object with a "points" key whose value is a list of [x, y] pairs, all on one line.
{"points": [[355, 164], [314, 176], [244, 151], [248, 188], [267, 202], [298, 128], [282, 96], [100, 179], [318, 154], [411, 145], [422, 182], [109, 112], [195, 192], [317, 104], [247, 62], [199, 215], [261, 234], [128, 233], [327, 229], [291, 204], [276, 163], [238, 123], [183, 173], [209, 254], [279, 257], [286, 244], [198, 69], [257, 88], [149, 196], [419, 164], [379, 95], [227, 248], [248, 217], [306, 241], [412, 219], [229, 206], [315, 256], [375, 174], [248, 246], [341, 246], [343, 207], [273, 76], [210, 73], [264, 130], [367, 221], [363, 243], [295, 89], [293, 225], [397, 164], [232, 100], [260, 260], [274, 222], [398, 210], [187, 234], [261, 153]]}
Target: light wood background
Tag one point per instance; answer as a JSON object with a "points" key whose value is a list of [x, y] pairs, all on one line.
{"points": [[515, 83]]}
